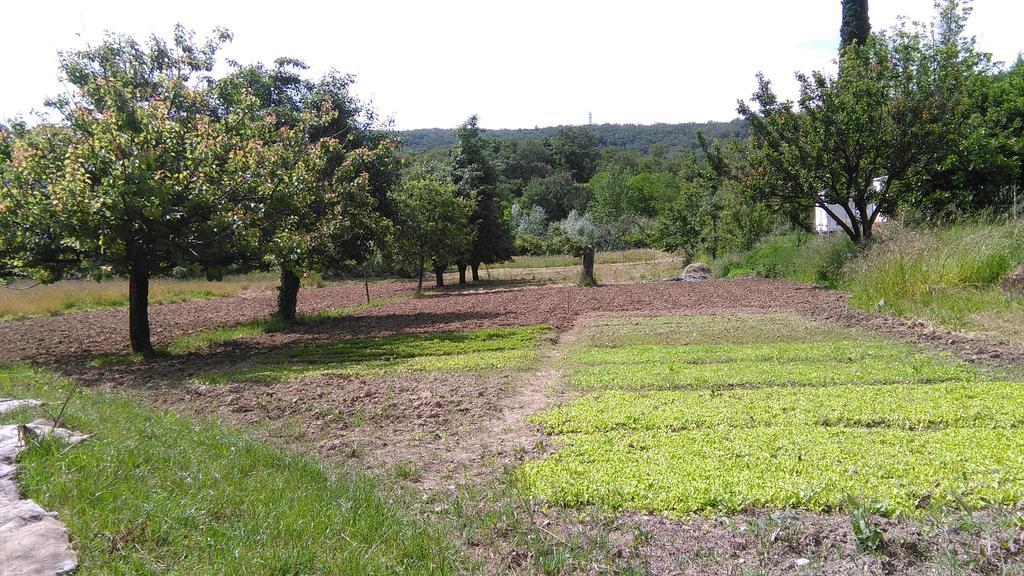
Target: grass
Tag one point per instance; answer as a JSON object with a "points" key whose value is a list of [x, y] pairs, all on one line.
{"points": [[154, 493], [797, 256], [705, 424], [624, 267], [190, 343], [561, 260], [948, 275], [431, 352], [20, 301]]}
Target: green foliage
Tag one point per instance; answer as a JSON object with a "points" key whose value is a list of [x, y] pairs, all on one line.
{"points": [[869, 537], [432, 352], [901, 103], [434, 223], [557, 195], [576, 148], [475, 177], [797, 256], [897, 406], [330, 176], [637, 138], [936, 431], [152, 492]]}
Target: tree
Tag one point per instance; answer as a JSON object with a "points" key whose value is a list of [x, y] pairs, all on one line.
{"points": [[142, 174], [557, 195], [853, 142], [331, 174], [576, 149], [856, 26], [475, 176], [434, 224]]}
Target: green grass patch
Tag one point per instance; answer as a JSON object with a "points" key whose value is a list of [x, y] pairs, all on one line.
{"points": [[154, 493], [904, 406], [189, 343], [717, 422], [430, 352], [818, 468], [728, 374], [834, 351], [725, 329]]}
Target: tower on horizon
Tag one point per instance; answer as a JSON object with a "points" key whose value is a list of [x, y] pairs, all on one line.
{"points": [[590, 118]]}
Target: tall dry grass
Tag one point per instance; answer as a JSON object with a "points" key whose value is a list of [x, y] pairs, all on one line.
{"points": [[949, 275], [560, 260], [23, 299]]}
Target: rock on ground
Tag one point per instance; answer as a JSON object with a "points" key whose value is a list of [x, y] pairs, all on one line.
{"points": [[33, 542], [1014, 281]]}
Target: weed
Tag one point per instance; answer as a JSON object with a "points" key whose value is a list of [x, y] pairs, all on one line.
{"points": [[867, 534], [153, 492]]}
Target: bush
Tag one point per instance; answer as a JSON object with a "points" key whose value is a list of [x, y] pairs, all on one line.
{"points": [[797, 256]]}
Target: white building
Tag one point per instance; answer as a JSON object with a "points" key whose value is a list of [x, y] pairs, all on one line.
{"points": [[825, 224]]}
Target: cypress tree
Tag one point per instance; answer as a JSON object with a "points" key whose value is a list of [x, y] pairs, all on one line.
{"points": [[856, 25]]}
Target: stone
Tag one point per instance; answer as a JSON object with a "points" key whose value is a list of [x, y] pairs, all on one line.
{"points": [[694, 273], [32, 541], [1014, 281]]}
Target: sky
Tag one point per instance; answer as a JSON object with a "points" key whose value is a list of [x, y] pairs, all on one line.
{"points": [[519, 64]]}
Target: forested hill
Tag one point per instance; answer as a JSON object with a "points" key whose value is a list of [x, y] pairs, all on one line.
{"points": [[631, 136]]}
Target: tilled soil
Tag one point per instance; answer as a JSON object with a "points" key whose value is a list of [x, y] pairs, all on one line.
{"points": [[447, 427], [80, 335], [106, 331]]}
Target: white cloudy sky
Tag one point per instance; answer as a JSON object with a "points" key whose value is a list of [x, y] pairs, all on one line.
{"points": [[516, 64]]}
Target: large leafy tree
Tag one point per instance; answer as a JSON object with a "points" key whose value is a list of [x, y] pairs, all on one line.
{"points": [[575, 147], [142, 173], [557, 195], [902, 101], [475, 176], [434, 223], [331, 173]]}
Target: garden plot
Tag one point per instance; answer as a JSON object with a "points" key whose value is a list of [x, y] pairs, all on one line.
{"points": [[692, 415], [486, 349]]}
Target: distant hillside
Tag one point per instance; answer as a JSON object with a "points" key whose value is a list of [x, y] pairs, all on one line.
{"points": [[632, 136]]}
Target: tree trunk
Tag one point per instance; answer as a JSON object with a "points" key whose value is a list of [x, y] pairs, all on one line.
{"points": [[138, 310], [439, 276], [462, 272], [366, 283], [476, 272], [419, 283], [587, 278], [288, 295]]}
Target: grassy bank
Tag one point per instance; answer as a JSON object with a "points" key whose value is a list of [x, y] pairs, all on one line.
{"points": [[153, 493], [947, 275]]}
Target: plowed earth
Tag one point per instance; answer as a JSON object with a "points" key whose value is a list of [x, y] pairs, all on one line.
{"points": [[456, 427]]}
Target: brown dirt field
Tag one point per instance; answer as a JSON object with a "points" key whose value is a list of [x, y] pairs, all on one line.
{"points": [[106, 331], [453, 428], [82, 334]]}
